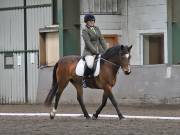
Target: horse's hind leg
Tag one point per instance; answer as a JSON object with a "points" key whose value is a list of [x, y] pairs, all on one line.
{"points": [[61, 88], [104, 101], [53, 112], [79, 89]]}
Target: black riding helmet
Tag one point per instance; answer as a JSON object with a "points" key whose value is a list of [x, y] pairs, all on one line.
{"points": [[89, 17]]}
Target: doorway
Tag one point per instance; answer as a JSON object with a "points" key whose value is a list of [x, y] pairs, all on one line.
{"points": [[111, 40], [153, 49]]}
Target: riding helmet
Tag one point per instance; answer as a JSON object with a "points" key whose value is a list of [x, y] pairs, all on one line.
{"points": [[89, 17]]}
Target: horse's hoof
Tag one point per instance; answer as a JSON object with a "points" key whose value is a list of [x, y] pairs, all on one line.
{"points": [[94, 117], [121, 117], [52, 115], [88, 117]]}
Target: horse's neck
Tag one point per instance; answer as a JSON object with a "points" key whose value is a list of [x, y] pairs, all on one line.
{"points": [[114, 61], [112, 65]]}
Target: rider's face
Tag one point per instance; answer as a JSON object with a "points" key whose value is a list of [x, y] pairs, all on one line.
{"points": [[91, 23]]}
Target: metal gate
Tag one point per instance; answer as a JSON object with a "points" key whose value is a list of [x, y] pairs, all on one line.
{"points": [[20, 21]]}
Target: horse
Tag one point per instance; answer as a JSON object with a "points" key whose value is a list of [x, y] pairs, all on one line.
{"points": [[110, 62]]}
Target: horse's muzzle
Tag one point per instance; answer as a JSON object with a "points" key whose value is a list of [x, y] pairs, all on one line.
{"points": [[127, 72]]}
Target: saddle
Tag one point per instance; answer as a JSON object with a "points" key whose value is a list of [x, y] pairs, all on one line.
{"points": [[83, 70]]}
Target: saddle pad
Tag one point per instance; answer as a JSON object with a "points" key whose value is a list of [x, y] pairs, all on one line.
{"points": [[80, 67], [97, 71]]}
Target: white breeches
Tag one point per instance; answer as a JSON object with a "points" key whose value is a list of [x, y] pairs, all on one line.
{"points": [[90, 60]]}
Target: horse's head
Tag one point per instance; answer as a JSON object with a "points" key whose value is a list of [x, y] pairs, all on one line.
{"points": [[124, 56], [120, 56]]}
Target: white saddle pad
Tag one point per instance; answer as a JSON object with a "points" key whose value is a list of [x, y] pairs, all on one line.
{"points": [[80, 67], [81, 64]]}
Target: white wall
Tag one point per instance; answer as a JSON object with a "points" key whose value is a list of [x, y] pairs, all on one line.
{"points": [[137, 17], [157, 84], [146, 17]]}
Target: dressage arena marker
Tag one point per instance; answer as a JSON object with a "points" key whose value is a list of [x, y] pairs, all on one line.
{"points": [[101, 116]]}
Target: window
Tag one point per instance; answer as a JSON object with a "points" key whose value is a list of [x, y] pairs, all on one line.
{"points": [[49, 45], [100, 6], [8, 61]]}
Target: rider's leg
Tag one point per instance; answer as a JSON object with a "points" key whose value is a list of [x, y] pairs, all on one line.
{"points": [[90, 60]]}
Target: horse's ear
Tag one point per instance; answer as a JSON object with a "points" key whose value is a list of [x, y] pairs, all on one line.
{"points": [[129, 48]]}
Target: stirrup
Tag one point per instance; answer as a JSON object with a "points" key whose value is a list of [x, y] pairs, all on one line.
{"points": [[84, 84]]}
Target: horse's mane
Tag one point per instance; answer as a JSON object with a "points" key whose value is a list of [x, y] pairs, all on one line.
{"points": [[114, 51]]}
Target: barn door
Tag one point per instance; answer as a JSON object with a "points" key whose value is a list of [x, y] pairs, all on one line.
{"points": [[20, 21], [12, 68], [38, 15], [176, 31]]}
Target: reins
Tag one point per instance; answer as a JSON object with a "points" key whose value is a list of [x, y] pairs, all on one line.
{"points": [[117, 66]]}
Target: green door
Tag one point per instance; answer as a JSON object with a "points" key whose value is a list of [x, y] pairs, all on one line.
{"points": [[176, 31], [71, 27], [176, 43]]}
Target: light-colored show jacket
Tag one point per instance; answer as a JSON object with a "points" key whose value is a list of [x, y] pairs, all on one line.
{"points": [[94, 41]]}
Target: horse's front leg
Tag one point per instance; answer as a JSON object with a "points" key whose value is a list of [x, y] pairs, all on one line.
{"points": [[98, 111], [113, 101], [108, 90]]}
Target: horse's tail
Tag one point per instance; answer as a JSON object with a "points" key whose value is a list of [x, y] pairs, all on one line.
{"points": [[54, 88]]}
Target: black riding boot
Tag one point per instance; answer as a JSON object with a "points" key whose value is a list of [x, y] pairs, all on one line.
{"points": [[88, 73]]}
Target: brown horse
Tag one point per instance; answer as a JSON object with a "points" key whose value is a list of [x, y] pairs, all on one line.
{"points": [[64, 72]]}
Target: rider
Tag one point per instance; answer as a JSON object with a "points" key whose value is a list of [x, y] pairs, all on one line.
{"points": [[93, 39]]}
